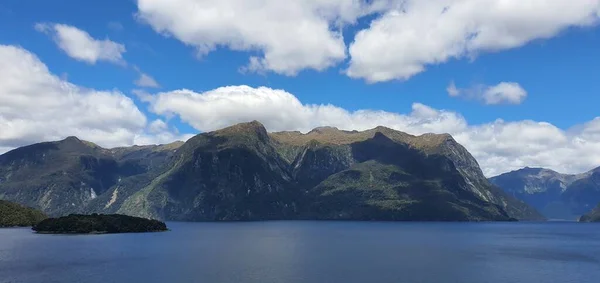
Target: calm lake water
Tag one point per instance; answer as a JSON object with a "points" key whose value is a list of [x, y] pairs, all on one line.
{"points": [[313, 252]]}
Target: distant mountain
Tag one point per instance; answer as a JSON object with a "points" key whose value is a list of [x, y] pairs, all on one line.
{"points": [[557, 196], [244, 173], [592, 216], [16, 215]]}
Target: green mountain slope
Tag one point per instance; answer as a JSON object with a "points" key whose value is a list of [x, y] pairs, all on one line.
{"points": [[63, 177], [16, 215], [332, 150]]}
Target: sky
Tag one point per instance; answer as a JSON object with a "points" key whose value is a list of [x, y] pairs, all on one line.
{"points": [[514, 81]]}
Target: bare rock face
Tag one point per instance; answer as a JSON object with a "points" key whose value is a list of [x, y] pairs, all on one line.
{"points": [[244, 173]]}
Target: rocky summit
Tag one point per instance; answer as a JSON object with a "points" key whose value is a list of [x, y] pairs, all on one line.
{"points": [[245, 173], [556, 195]]}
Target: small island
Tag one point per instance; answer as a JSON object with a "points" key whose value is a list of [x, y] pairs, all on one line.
{"points": [[98, 224], [16, 215]]}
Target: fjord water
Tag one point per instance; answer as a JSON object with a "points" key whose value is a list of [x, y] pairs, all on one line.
{"points": [[315, 252]]}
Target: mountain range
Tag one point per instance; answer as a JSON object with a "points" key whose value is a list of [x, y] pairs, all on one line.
{"points": [[243, 172], [555, 195]]}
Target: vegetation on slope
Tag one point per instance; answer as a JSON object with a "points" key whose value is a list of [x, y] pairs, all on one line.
{"points": [[98, 223], [16, 215], [592, 216], [64, 177]]}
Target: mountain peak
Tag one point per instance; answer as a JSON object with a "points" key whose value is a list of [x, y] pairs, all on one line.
{"points": [[252, 126], [247, 129], [72, 139], [323, 130]]}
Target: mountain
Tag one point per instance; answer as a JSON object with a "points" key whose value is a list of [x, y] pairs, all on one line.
{"points": [[244, 173], [557, 196], [428, 177], [63, 177], [16, 215], [592, 216]]}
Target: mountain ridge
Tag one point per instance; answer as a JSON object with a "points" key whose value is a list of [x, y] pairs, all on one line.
{"points": [[242, 172], [556, 195]]}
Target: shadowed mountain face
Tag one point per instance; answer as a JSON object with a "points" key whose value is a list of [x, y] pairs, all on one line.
{"points": [[244, 173], [557, 196]]}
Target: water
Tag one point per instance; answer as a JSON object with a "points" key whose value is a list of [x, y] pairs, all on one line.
{"points": [[314, 252]]}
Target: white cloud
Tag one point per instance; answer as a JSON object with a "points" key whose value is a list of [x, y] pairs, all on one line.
{"points": [[79, 45], [289, 36], [39, 106], [146, 80], [158, 126], [159, 132], [403, 42], [502, 93], [143, 95], [505, 92], [452, 90], [280, 110], [498, 146]]}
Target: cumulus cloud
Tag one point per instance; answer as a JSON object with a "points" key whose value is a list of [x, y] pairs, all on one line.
{"points": [[280, 110], [80, 45], [289, 36], [510, 93], [404, 37], [498, 146], [403, 42], [502, 93], [39, 106]]}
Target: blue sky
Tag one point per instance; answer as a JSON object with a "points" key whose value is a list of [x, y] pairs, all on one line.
{"points": [[549, 60]]}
